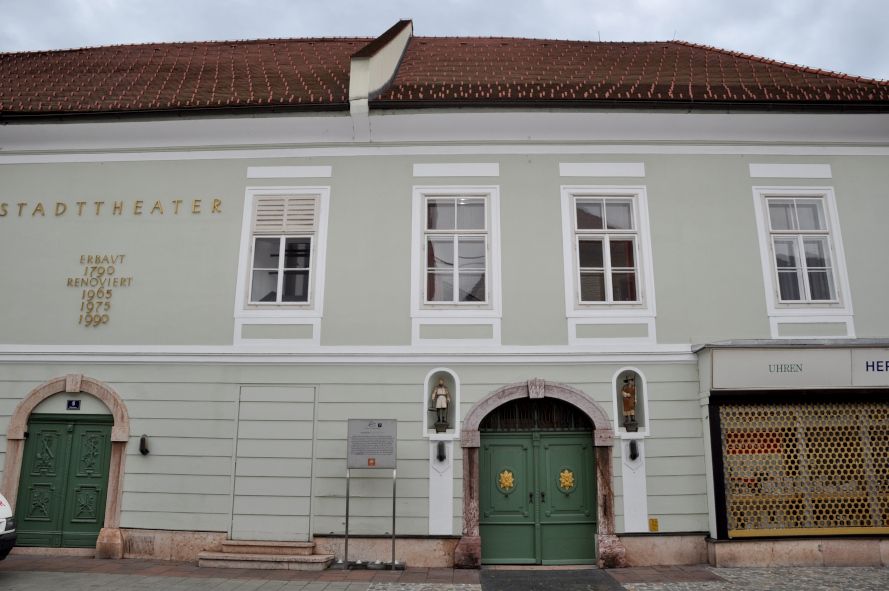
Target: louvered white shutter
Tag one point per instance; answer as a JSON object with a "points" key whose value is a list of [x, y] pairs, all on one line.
{"points": [[285, 215]]}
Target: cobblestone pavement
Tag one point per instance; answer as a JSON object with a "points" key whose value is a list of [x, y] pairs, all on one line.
{"points": [[21, 572], [779, 579], [48, 581], [30, 573]]}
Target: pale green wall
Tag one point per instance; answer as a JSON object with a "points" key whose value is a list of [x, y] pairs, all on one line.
{"points": [[190, 413], [706, 255]]}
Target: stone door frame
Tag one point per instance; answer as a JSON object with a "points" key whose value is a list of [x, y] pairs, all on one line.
{"points": [[611, 552], [110, 542]]}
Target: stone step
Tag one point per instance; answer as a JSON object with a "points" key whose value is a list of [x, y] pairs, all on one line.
{"points": [[268, 547], [264, 561]]}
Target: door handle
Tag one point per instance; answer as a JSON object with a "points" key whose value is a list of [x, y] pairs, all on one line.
{"points": [[542, 497]]}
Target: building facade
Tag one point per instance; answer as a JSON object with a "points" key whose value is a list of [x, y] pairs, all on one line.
{"points": [[643, 274]]}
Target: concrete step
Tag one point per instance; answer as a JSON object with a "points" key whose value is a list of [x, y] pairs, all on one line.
{"points": [[268, 547], [264, 561]]}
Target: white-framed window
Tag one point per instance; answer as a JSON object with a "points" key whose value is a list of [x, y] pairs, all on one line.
{"points": [[281, 258], [455, 259], [802, 253], [455, 238], [804, 270], [282, 252], [607, 251]]}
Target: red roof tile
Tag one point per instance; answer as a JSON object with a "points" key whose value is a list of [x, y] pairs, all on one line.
{"points": [[176, 76], [583, 73], [314, 74]]}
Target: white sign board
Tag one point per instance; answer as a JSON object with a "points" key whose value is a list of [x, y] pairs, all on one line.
{"points": [[372, 443], [870, 367], [800, 368]]}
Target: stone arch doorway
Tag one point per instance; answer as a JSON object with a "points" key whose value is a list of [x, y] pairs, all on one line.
{"points": [[110, 542], [610, 550]]}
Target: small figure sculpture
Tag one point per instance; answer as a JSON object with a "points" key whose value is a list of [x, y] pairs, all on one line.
{"points": [[628, 393], [441, 400]]}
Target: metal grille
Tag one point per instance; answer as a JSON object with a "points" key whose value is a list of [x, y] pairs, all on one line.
{"points": [[804, 469], [525, 414]]}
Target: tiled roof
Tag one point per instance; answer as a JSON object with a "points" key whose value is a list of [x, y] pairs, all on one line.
{"points": [[176, 76], [314, 74], [583, 73]]}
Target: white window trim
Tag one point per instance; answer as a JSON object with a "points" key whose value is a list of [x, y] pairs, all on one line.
{"points": [[839, 311], [608, 313], [285, 313], [421, 312]]}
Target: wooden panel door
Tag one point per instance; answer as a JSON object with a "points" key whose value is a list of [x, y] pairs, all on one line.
{"points": [[507, 507], [537, 498], [64, 481], [567, 481]]}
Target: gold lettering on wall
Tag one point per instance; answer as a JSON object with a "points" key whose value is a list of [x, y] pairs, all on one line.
{"points": [[119, 208], [98, 282]]}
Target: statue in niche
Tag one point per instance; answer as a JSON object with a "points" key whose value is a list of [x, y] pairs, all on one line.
{"points": [[628, 395], [441, 400]]}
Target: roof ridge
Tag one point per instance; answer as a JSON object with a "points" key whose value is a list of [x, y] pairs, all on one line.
{"points": [[198, 42], [514, 38], [792, 66]]}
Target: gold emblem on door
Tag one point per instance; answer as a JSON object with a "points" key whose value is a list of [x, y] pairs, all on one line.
{"points": [[566, 480], [506, 481]]}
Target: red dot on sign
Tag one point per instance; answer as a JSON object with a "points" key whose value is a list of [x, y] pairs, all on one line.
{"points": [[371, 461]]}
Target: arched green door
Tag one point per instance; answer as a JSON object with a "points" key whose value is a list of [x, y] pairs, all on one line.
{"points": [[537, 488], [64, 480]]}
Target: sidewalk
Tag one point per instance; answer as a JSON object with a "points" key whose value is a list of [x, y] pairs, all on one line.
{"points": [[164, 568], [52, 573]]}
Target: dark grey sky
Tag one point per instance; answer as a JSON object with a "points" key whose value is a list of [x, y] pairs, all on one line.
{"points": [[843, 35]]}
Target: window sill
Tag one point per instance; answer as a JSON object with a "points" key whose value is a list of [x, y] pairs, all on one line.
{"points": [[279, 311]]}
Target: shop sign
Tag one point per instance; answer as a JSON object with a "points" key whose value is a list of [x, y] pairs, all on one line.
{"points": [[782, 368], [870, 367]]}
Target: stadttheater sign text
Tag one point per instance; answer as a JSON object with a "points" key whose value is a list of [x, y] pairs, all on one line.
{"points": [[742, 369], [109, 208]]}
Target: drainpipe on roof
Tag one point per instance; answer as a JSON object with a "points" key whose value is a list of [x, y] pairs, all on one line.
{"points": [[372, 68]]}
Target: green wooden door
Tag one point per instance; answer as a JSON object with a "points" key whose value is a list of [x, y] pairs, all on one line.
{"points": [[507, 507], [64, 481], [537, 498], [567, 481]]}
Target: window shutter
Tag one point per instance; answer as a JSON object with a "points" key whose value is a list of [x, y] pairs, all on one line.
{"points": [[285, 215]]}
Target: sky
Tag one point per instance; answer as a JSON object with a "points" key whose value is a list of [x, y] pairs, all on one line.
{"points": [[846, 36]]}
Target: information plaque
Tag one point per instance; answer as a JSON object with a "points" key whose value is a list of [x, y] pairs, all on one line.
{"points": [[371, 443]]}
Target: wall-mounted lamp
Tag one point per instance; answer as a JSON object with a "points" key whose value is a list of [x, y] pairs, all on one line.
{"points": [[143, 445], [634, 449], [441, 452]]}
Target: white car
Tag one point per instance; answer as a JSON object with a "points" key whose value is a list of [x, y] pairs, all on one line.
{"points": [[7, 527]]}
